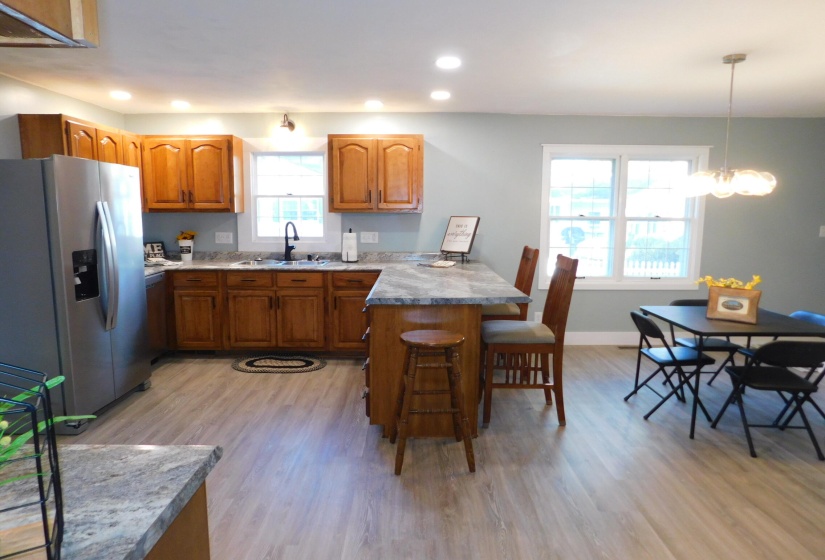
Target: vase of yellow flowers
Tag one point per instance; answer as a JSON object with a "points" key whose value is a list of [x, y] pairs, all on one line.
{"points": [[732, 299], [186, 242]]}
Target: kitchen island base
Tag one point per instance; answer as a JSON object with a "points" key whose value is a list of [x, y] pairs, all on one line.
{"points": [[386, 364]]}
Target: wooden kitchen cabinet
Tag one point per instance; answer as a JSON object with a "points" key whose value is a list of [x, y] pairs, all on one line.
{"points": [[347, 302], [201, 173], [300, 309], [198, 317], [373, 173], [250, 310], [48, 134], [156, 314]]}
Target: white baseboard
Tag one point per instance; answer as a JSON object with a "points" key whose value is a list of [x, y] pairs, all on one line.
{"points": [[630, 338]]}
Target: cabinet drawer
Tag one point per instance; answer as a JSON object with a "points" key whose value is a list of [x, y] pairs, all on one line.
{"points": [[300, 279], [354, 279], [195, 278], [250, 279]]}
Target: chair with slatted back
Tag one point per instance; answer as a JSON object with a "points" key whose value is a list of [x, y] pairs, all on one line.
{"points": [[768, 370], [709, 344], [525, 346], [524, 283]]}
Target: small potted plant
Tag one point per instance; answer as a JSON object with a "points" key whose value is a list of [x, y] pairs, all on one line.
{"points": [[732, 299], [186, 242]]}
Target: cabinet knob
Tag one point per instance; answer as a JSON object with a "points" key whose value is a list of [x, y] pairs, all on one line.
{"points": [[364, 392]]}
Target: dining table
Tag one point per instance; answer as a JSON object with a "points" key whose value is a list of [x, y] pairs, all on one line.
{"points": [[694, 320]]}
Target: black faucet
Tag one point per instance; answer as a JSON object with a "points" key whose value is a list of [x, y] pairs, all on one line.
{"points": [[287, 247]]}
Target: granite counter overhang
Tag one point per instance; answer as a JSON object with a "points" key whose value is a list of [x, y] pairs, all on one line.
{"points": [[405, 282]]}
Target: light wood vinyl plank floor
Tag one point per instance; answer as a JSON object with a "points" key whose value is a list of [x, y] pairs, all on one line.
{"points": [[304, 476]]}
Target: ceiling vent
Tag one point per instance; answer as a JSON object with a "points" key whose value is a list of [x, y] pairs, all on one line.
{"points": [[48, 23]]}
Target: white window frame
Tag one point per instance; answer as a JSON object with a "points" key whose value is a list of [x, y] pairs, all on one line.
{"points": [[247, 239], [697, 155]]}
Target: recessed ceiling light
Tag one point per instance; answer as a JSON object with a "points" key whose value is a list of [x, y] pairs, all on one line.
{"points": [[373, 104], [440, 95], [119, 94], [180, 104], [448, 62]]}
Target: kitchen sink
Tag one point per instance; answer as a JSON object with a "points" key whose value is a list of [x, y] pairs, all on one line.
{"points": [[271, 262], [302, 263]]}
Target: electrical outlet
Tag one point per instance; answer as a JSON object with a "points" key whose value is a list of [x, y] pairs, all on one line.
{"points": [[821, 231], [223, 237], [537, 316], [369, 237]]}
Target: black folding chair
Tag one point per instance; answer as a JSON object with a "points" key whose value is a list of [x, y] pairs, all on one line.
{"points": [[669, 360], [768, 371], [709, 344]]}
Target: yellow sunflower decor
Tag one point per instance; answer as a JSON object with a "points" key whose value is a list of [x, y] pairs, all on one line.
{"points": [[186, 242]]}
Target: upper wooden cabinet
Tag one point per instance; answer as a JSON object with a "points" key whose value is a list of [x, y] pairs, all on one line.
{"points": [[371, 173], [44, 135], [201, 173]]}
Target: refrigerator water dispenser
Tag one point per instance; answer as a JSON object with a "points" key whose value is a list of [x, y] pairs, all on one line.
{"points": [[84, 264]]}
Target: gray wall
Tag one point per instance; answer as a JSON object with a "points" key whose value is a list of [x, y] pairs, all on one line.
{"points": [[490, 165]]}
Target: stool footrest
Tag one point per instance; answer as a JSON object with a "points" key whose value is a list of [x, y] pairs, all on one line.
{"points": [[433, 392], [433, 365], [434, 411]]}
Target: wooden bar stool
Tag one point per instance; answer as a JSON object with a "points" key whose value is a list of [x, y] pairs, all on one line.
{"points": [[431, 343]]}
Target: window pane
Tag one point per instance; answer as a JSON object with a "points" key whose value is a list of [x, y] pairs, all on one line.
{"points": [[590, 241], [273, 213], [290, 174], [652, 189], [581, 187], [656, 249]]}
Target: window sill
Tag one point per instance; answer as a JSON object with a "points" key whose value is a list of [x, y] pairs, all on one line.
{"points": [[647, 285]]}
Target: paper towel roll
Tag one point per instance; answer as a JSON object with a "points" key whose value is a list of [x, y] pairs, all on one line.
{"points": [[349, 248]]}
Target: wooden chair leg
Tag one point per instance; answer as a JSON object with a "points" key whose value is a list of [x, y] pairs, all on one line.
{"points": [[558, 388], [403, 422], [463, 429], [543, 360], [450, 357], [488, 387], [400, 399]]}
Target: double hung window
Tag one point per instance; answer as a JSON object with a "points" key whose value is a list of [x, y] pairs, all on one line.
{"points": [[622, 212], [288, 188]]}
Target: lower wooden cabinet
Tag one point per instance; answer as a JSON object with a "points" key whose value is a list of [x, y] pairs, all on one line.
{"points": [[225, 310], [198, 311], [348, 294]]}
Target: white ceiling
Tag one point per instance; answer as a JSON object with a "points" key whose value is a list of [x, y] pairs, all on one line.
{"points": [[577, 57]]}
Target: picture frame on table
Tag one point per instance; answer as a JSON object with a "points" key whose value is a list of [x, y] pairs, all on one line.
{"points": [[733, 304]]}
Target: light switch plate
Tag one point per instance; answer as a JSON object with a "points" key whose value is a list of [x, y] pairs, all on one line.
{"points": [[369, 237], [821, 231], [223, 237]]}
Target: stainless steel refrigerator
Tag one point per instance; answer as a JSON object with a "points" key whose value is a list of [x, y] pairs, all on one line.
{"points": [[72, 297]]}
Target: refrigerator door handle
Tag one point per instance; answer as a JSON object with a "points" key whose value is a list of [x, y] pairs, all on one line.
{"points": [[112, 281]]}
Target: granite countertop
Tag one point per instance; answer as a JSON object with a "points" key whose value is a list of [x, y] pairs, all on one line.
{"points": [[119, 499], [403, 281]]}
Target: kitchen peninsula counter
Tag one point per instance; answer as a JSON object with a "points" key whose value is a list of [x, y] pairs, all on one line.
{"points": [[120, 501]]}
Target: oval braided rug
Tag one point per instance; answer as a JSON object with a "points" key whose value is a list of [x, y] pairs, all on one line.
{"points": [[278, 364]]}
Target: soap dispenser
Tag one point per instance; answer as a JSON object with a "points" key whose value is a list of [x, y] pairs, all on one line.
{"points": [[349, 247]]}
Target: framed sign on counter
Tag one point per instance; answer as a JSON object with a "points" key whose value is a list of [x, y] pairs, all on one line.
{"points": [[460, 234]]}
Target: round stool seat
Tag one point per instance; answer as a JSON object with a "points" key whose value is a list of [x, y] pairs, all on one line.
{"points": [[432, 338]]}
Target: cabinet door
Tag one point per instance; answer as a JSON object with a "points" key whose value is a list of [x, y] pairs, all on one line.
{"points": [[349, 321], [251, 318], [301, 318], [164, 174], [109, 146], [352, 174], [156, 317], [399, 174], [198, 319], [82, 140], [130, 153], [210, 177]]}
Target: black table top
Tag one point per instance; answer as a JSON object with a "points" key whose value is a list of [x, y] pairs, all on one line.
{"points": [[693, 320]]}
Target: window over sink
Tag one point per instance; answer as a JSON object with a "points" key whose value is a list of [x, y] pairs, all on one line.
{"points": [[620, 211]]}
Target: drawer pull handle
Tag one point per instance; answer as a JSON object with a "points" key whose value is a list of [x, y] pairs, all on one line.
{"points": [[296, 280], [355, 281], [194, 279], [248, 280]]}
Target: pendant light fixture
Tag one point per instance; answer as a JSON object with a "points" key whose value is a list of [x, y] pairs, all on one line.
{"points": [[288, 124], [726, 182]]}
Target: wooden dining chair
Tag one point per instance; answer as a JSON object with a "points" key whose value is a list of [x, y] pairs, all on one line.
{"points": [[524, 283], [525, 346], [768, 370]]}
